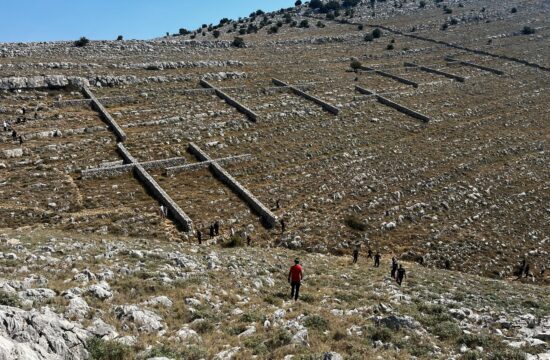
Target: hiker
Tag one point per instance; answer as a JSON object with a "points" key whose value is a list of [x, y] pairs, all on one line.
{"points": [[447, 264], [211, 230], [393, 267], [542, 270], [278, 204], [14, 134], [283, 225], [295, 276], [162, 212], [20, 140], [369, 254], [355, 254], [400, 275], [217, 228], [522, 268], [199, 236], [421, 260], [248, 240], [5, 126], [377, 258], [526, 272]]}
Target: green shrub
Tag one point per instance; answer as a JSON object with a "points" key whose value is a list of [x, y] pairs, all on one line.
{"points": [[108, 350], [471, 355], [360, 27], [216, 33], [238, 42], [381, 334], [120, 38], [376, 33], [273, 30], [422, 4], [81, 42], [304, 24], [369, 37], [389, 47], [355, 65], [320, 24], [203, 327], [281, 338], [234, 241], [514, 10], [507, 354], [8, 299], [527, 30], [316, 322], [355, 223], [447, 330]]}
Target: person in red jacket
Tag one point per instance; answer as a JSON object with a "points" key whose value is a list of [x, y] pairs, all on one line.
{"points": [[295, 276]]}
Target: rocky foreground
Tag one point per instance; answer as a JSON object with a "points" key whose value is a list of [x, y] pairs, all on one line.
{"points": [[79, 297]]}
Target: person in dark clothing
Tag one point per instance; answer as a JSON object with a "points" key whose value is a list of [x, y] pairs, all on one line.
{"points": [[217, 228], [211, 231], [295, 277], [526, 272], [278, 204], [20, 140], [369, 254], [355, 254], [377, 258], [393, 267], [521, 269], [400, 275], [14, 134], [199, 236], [421, 260], [248, 240], [283, 225], [542, 270], [447, 264]]}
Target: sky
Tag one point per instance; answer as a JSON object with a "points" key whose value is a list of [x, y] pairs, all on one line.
{"points": [[49, 20]]}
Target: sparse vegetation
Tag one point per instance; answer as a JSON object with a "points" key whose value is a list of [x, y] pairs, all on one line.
{"points": [[355, 64], [108, 350], [376, 33], [304, 24], [8, 299], [355, 222]]}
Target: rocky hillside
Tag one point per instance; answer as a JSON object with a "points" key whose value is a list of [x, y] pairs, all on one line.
{"points": [[415, 128], [67, 296]]}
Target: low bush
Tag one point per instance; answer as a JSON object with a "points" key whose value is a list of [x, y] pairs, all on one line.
{"points": [[108, 350], [355, 223], [527, 30], [81, 42], [8, 299], [316, 322]]}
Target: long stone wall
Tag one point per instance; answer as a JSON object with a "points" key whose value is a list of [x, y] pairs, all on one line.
{"points": [[179, 216], [392, 104], [435, 71], [106, 101], [477, 66], [121, 136], [328, 107], [229, 100], [460, 47], [391, 76], [269, 218]]}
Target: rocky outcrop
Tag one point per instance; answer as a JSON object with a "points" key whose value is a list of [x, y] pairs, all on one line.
{"points": [[39, 334]]}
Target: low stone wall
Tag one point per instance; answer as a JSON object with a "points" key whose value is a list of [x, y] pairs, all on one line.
{"points": [[435, 71], [196, 166], [269, 218], [105, 101], [328, 107], [392, 104], [243, 109], [391, 76], [104, 172], [477, 66], [121, 136]]}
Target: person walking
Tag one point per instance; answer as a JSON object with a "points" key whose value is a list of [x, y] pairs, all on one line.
{"points": [[369, 254], [295, 277], [355, 254], [283, 225], [199, 237], [217, 228], [248, 240], [400, 275], [20, 140], [377, 258], [393, 268], [212, 231]]}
